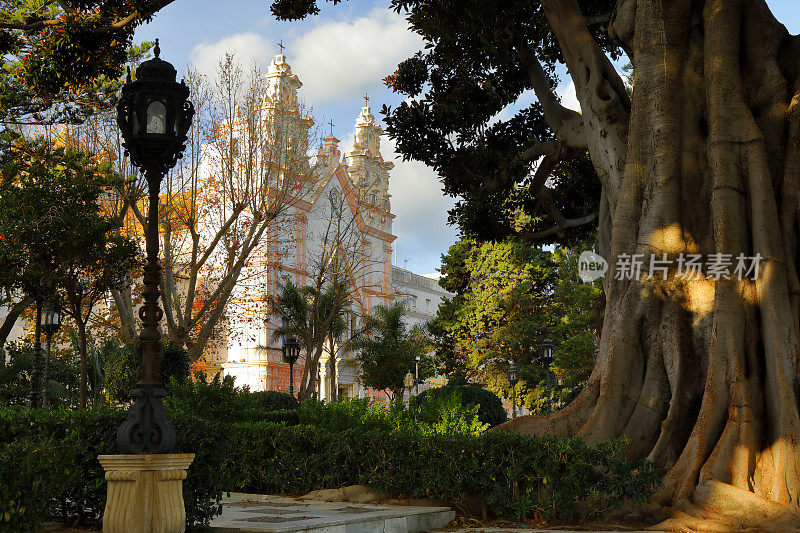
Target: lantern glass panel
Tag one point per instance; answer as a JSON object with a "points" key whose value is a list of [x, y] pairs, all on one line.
{"points": [[156, 118]]}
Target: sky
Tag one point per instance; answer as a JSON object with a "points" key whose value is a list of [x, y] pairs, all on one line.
{"points": [[339, 55]]}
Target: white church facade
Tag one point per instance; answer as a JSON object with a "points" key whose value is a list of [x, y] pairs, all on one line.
{"points": [[352, 187]]}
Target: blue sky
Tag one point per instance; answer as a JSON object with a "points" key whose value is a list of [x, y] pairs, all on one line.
{"points": [[338, 55]]}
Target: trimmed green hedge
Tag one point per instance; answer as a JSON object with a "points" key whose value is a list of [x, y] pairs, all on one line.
{"points": [[48, 458]]}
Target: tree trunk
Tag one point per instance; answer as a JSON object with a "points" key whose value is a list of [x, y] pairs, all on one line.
{"points": [[84, 385], [8, 324], [702, 374]]}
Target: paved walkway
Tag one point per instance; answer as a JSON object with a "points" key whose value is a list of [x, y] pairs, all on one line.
{"points": [[278, 514]]}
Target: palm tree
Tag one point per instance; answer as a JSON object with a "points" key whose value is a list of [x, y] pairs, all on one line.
{"points": [[314, 316], [387, 350]]}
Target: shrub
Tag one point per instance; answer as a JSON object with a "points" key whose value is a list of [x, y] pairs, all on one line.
{"points": [[122, 366], [221, 399], [520, 476], [433, 415], [491, 409], [275, 401], [49, 458]]}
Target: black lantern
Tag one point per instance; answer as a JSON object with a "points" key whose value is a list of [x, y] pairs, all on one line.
{"points": [[50, 326], [291, 352], [154, 115], [547, 351], [513, 374]]}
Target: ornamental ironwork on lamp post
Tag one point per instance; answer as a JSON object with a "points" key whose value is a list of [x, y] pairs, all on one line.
{"points": [[291, 353], [154, 115], [35, 396], [50, 326]]}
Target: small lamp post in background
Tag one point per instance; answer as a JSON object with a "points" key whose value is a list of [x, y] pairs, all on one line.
{"points": [[513, 378], [35, 396], [547, 360], [291, 352], [50, 326], [408, 381], [416, 372], [560, 387]]}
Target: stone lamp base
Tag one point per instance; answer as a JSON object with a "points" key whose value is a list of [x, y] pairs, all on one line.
{"points": [[145, 492]]}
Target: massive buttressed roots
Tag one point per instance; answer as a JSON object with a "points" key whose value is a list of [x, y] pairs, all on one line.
{"points": [[700, 374]]}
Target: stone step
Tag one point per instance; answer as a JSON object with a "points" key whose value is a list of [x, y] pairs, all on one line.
{"points": [[278, 514]]}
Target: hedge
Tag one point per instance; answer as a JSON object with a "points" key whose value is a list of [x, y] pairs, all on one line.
{"points": [[48, 466]]}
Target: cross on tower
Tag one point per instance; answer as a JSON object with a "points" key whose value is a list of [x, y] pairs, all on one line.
{"points": [[366, 100], [331, 123], [280, 45]]}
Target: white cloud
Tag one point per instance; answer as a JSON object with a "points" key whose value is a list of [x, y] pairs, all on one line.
{"points": [[568, 97], [339, 59], [249, 48], [421, 208]]}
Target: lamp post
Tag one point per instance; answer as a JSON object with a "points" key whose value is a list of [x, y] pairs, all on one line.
{"points": [[35, 396], [560, 387], [416, 372], [513, 378], [52, 322], [547, 360], [291, 352], [154, 115]]}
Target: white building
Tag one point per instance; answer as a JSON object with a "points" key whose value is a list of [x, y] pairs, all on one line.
{"points": [[352, 187]]}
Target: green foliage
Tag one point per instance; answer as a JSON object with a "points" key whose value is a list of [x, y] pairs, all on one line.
{"points": [[490, 409], [510, 296], [122, 368], [441, 414], [387, 350], [60, 65], [520, 476], [221, 399], [15, 382], [473, 66], [53, 232], [50, 457], [271, 400]]}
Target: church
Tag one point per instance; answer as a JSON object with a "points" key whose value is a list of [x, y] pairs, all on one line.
{"points": [[353, 189]]}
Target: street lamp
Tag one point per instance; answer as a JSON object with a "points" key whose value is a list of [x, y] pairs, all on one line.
{"points": [[35, 396], [153, 115], [51, 324], [291, 352], [560, 392], [416, 372], [513, 378], [547, 360]]}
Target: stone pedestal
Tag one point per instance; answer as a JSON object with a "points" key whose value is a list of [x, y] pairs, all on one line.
{"points": [[145, 492]]}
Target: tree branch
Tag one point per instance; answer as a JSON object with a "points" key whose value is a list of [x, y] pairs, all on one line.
{"points": [[604, 99], [558, 228], [565, 123], [11, 318], [118, 24]]}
